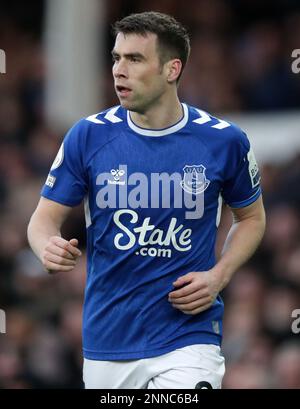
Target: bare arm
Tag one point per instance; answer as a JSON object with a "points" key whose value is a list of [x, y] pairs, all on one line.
{"points": [[44, 236], [242, 240]]}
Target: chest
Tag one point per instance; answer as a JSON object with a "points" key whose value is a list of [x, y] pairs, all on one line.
{"points": [[139, 173]]}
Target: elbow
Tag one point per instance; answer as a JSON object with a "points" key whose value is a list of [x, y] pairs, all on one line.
{"points": [[263, 227], [260, 222], [29, 228]]}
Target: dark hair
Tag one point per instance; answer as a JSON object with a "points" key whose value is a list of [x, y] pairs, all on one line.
{"points": [[173, 38]]}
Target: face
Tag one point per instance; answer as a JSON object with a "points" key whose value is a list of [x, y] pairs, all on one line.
{"points": [[139, 77]]}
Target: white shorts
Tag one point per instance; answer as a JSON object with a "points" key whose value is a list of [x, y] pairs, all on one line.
{"points": [[194, 366]]}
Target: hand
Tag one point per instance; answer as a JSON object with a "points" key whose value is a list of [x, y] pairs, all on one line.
{"points": [[198, 294], [60, 254]]}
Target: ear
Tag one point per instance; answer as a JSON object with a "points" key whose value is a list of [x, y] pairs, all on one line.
{"points": [[173, 69]]}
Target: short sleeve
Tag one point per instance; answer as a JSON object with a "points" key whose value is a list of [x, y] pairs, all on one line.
{"points": [[242, 180], [67, 181]]}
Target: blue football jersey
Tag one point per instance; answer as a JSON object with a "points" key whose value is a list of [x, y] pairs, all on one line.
{"points": [[152, 203]]}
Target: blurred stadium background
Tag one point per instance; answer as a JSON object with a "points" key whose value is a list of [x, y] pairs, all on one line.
{"points": [[58, 69]]}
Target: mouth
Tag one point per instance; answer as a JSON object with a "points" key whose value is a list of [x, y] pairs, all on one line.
{"points": [[122, 91]]}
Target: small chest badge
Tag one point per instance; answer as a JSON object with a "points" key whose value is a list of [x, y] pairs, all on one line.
{"points": [[194, 179]]}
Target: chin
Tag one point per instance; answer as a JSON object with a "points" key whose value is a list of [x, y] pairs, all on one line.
{"points": [[124, 104], [127, 105]]}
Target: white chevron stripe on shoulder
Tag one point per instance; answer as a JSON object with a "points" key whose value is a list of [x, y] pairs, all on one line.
{"points": [[204, 117], [110, 115], [93, 118], [221, 125]]}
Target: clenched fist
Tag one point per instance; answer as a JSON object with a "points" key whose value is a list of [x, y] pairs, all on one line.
{"points": [[197, 292], [60, 254]]}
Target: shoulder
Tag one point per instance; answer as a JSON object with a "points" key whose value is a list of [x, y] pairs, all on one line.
{"points": [[104, 119], [216, 129], [101, 127], [107, 118]]}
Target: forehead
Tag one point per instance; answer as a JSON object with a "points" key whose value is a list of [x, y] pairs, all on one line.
{"points": [[133, 43]]}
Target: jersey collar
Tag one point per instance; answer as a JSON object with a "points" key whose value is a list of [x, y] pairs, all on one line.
{"points": [[160, 132]]}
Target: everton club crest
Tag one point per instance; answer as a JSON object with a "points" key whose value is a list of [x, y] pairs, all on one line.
{"points": [[194, 179]]}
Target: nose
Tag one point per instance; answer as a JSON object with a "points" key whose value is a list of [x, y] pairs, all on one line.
{"points": [[120, 69]]}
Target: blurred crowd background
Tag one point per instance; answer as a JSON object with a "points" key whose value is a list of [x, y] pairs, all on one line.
{"points": [[241, 62]]}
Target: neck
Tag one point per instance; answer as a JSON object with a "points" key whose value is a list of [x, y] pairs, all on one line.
{"points": [[163, 115]]}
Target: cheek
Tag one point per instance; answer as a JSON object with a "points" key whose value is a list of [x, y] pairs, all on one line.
{"points": [[150, 75], [148, 82], [153, 81], [157, 85]]}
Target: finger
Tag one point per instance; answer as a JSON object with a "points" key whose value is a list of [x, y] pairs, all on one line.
{"points": [[187, 278], [193, 305], [59, 260], [53, 267], [60, 247], [186, 290], [58, 251], [73, 249], [197, 310], [74, 242], [198, 294], [64, 244]]}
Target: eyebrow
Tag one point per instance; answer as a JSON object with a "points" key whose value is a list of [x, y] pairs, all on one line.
{"points": [[129, 55]]}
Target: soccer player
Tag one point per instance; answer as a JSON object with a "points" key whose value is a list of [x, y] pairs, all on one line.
{"points": [[152, 172]]}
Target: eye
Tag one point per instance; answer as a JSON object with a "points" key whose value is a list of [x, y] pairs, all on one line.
{"points": [[121, 172], [113, 172]]}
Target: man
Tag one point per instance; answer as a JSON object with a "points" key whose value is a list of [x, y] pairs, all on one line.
{"points": [[152, 172]]}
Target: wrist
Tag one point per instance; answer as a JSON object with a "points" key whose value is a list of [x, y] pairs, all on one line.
{"points": [[222, 275]]}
